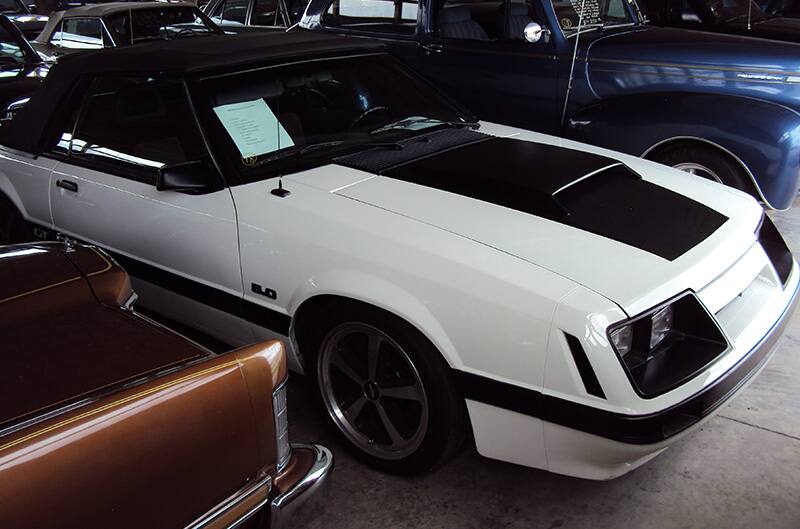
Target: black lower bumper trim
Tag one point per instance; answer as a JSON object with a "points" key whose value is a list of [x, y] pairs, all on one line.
{"points": [[235, 305], [194, 290], [632, 429]]}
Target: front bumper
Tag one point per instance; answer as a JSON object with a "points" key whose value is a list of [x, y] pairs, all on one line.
{"points": [[656, 427], [579, 439], [301, 502]]}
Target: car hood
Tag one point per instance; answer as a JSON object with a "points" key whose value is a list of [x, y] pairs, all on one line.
{"points": [[648, 59], [632, 231]]}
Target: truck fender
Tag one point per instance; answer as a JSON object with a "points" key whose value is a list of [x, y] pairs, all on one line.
{"points": [[762, 136]]}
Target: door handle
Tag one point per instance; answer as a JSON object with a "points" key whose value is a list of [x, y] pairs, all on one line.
{"points": [[432, 48], [66, 184]]}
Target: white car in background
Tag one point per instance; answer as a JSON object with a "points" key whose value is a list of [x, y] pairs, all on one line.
{"points": [[577, 309]]}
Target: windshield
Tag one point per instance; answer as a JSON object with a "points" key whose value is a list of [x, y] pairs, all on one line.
{"points": [[158, 23], [302, 114], [730, 10], [596, 13]]}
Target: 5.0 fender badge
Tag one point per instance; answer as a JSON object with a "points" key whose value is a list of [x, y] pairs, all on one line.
{"points": [[263, 291]]}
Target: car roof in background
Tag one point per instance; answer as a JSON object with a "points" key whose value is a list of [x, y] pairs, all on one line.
{"points": [[192, 55], [189, 56], [106, 8], [100, 10]]}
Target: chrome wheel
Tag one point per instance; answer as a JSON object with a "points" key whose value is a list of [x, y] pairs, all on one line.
{"points": [[698, 170], [372, 391]]}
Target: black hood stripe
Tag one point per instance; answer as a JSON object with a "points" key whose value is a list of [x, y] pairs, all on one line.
{"points": [[583, 190]]}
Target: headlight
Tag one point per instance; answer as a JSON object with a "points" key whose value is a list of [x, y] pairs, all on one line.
{"points": [[284, 450], [668, 345], [622, 338], [662, 322]]}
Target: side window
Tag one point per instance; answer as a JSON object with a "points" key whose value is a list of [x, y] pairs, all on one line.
{"points": [[9, 47], [80, 33], [296, 9], [120, 25], [382, 16], [266, 13], [616, 9], [477, 20], [132, 127], [232, 12]]}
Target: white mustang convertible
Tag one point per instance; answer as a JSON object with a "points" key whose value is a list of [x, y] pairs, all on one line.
{"points": [[574, 309]]}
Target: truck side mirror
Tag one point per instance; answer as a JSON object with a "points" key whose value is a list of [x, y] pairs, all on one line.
{"points": [[534, 33]]}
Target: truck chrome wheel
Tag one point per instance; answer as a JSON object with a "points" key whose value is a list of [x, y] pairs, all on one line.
{"points": [[698, 170], [372, 391]]}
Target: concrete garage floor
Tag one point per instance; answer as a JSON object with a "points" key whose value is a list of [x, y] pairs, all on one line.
{"points": [[742, 469]]}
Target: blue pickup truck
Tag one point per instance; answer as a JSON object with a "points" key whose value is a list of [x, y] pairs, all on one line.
{"points": [[720, 106]]}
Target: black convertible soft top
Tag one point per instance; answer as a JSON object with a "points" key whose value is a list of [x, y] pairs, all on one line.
{"points": [[186, 57]]}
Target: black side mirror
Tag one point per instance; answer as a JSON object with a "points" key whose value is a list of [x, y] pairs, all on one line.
{"points": [[188, 177]]}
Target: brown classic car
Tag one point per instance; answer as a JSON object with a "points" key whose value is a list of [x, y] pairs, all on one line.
{"points": [[108, 419]]}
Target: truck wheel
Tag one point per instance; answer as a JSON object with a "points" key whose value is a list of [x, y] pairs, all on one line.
{"points": [[705, 162], [12, 225], [388, 391]]}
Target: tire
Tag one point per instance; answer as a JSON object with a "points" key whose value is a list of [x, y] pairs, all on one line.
{"points": [[12, 225], [404, 414], [707, 162]]}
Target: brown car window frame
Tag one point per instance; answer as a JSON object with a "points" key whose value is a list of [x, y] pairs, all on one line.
{"points": [[105, 37]]}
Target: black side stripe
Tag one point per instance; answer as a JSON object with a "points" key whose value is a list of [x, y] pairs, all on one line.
{"points": [[588, 376], [632, 429], [247, 310]]}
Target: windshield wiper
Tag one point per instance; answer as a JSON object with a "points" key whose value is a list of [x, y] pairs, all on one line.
{"points": [[409, 123], [591, 27], [753, 18], [327, 144], [585, 28]]}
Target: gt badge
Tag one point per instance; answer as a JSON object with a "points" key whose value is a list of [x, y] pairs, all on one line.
{"points": [[264, 291]]}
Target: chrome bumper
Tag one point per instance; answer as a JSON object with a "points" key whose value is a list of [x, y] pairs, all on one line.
{"points": [[300, 503]]}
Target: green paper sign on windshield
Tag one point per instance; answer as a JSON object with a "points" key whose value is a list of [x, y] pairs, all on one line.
{"points": [[253, 127]]}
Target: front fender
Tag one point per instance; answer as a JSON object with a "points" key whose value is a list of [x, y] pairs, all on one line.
{"points": [[8, 189], [763, 136], [381, 293]]}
